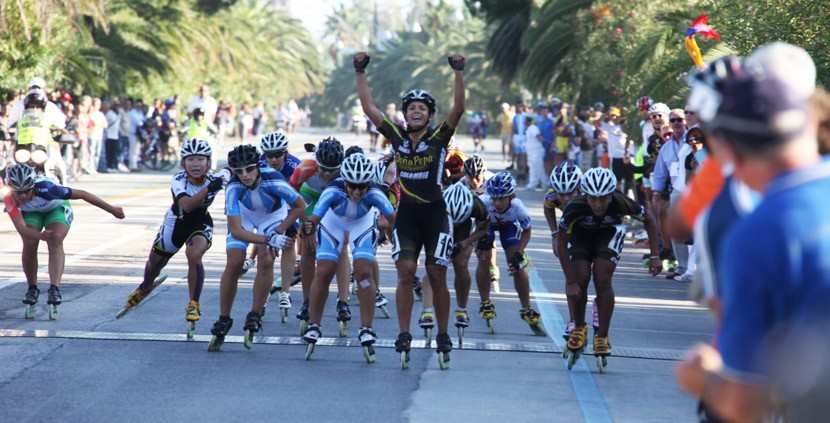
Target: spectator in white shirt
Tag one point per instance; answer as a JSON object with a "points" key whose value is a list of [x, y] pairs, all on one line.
{"points": [[535, 155]]}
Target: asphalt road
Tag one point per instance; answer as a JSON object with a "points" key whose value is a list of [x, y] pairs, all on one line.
{"points": [[89, 367]]}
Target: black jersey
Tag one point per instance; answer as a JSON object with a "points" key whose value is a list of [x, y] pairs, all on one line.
{"points": [[578, 213], [419, 170]]}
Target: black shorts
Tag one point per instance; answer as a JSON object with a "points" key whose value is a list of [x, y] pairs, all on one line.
{"points": [[175, 232], [606, 243], [424, 226]]}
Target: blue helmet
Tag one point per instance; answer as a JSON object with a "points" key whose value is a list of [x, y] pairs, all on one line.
{"points": [[501, 185]]}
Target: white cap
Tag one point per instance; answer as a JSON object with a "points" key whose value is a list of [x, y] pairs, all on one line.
{"points": [[660, 108], [784, 62], [37, 82]]}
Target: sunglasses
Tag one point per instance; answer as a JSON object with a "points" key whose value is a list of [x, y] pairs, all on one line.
{"points": [[328, 169], [275, 155], [677, 120], [23, 192], [689, 112], [694, 140], [244, 170], [653, 117], [357, 187]]}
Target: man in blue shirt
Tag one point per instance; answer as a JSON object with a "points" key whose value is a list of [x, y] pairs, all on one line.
{"points": [[774, 263]]}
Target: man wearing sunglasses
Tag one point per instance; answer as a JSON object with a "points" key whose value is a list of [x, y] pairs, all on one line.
{"points": [[40, 211], [274, 147], [667, 181], [344, 211], [261, 208]]}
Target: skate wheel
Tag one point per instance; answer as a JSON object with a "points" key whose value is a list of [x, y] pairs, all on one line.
{"points": [[369, 354], [29, 314], [303, 327], [284, 316], [404, 360], [249, 339], [384, 311], [344, 330], [602, 363], [191, 331], [309, 349], [443, 360], [491, 326], [215, 343], [53, 312], [537, 330], [460, 338], [565, 353], [572, 360], [120, 313], [428, 336]]}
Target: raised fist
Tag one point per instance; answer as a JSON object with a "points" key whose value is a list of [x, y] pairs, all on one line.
{"points": [[457, 62], [360, 61]]}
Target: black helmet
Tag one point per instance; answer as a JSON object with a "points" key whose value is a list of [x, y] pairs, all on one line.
{"points": [[242, 156], [419, 95], [353, 149], [329, 153], [474, 166], [35, 99]]}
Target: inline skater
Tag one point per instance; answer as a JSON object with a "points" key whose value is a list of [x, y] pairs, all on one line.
{"points": [[44, 215], [188, 222], [343, 211], [590, 241], [256, 199], [422, 220]]}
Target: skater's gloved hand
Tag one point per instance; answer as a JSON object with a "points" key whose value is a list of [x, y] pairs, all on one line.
{"points": [[215, 185], [224, 175], [655, 266], [360, 61], [457, 62], [278, 240]]}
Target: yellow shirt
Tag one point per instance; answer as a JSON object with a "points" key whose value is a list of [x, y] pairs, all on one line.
{"points": [[506, 123]]}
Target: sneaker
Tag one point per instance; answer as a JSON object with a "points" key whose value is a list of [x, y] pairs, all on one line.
{"points": [[685, 277], [122, 168]]}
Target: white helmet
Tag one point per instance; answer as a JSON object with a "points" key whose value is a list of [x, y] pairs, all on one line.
{"points": [[273, 142], [195, 147], [565, 177], [459, 201], [21, 177], [380, 171], [357, 169], [598, 182]]}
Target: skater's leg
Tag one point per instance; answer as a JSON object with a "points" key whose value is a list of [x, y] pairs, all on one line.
{"points": [[485, 257], [196, 248], [403, 292], [287, 262], [460, 264], [344, 272], [365, 291], [29, 259], [320, 290], [427, 295], [229, 280], [264, 279], [441, 295], [603, 272], [307, 264], [520, 280], [152, 269], [577, 290], [56, 254]]}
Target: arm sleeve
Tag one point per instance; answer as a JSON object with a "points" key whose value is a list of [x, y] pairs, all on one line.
{"points": [[381, 202], [233, 193], [10, 207], [286, 192], [50, 191], [660, 173], [388, 129], [746, 318], [523, 216], [179, 187], [443, 134], [702, 190], [324, 203]]}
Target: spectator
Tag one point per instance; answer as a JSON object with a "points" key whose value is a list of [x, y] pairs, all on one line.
{"points": [[775, 287], [545, 122], [667, 180], [537, 178], [620, 150], [506, 121], [519, 120], [96, 135], [136, 122], [204, 101], [585, 135], [124, 129]]}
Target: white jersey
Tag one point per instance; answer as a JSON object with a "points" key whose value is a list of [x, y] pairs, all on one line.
{"points": [[516, 214], [180, 187]]}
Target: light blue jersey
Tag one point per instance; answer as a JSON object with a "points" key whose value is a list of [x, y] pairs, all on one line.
{"points": [[266, 198], [335, 199]]}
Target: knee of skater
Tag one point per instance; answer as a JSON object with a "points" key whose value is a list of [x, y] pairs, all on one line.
{"points": [[573, 291], [364, 283]]}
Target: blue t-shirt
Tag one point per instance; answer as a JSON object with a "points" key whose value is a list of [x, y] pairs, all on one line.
{"points": [[335, 199], [265, 198], [48, 196], [545, 125], [775, 271], [291, 163]]}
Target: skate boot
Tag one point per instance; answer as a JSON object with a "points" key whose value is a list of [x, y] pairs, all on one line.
{"points": [[285, 306], [595, 316], [32, 293], [576, 344], [367, 338], [192, 315], [138, 295], [53, 301], [380, 303], [302, 316], [343, 317], [462, 321], [402, 345], [531, 317], [247, 265], [253, 323], [419, 293], [444, 346], [427, 322], [494, 279], [487, 311], [602, 349], [311, 336], [220, 328], [568, 329]]}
